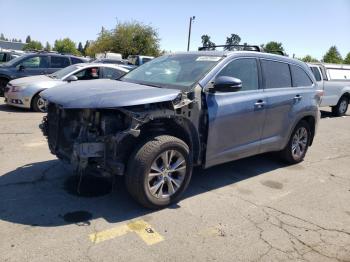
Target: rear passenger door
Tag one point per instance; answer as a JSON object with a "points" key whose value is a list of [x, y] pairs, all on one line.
{"points": [[57, 63], [283, 101], [236, 119]]}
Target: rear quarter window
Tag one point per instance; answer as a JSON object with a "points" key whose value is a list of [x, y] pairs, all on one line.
{"points": [[300, 77], [316, 73], [276, 74], [76, 60]]}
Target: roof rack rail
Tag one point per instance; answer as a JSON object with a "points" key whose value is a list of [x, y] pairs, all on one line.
{"points": [[234, 47], [255, 48]]}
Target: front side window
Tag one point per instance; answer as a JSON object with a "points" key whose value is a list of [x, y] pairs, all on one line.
{"points": [[112, 73], [300, 78], [88, 74], [35, 62], [276, 74], [180, 71], [316, 73], [59, 62], [244, 69]]}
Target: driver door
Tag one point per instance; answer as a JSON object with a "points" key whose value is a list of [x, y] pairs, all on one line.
{"points": [[35, 65], [236, 119]]}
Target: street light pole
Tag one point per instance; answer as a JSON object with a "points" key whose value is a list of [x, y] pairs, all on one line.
{"points": [[189, 32]]}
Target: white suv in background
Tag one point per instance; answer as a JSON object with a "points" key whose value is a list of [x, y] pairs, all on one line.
{"points": [[334, 80]]}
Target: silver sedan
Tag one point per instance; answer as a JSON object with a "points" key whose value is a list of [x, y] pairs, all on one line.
{"points": [[25, 92]]}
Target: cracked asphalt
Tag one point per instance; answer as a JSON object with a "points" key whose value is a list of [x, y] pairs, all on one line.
{"points": [[254, 209]]}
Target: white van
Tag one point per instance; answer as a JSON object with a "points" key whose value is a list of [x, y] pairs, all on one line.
{"points": [[334, 80]]}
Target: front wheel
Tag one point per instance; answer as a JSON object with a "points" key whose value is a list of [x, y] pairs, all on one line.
{"points": [[342, 106], [298, 144], [38, 104], [159, 171]]}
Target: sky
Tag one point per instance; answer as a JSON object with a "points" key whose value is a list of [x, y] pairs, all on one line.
{"points": [[303, 26]]}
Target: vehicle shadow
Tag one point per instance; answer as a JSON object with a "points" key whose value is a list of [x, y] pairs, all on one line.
{"points": [[328, 114], [7, 108], [39, 194]]}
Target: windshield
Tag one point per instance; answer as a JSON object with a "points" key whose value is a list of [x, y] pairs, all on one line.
{"points": [[14, 61], [60, 74], [179, 71]]}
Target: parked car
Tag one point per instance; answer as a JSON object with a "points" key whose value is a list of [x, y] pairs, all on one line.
{"points": [[183, 110], [25, 92], [109, 55], [334, 80], [30, 64], [138, 60], [7, 55]]}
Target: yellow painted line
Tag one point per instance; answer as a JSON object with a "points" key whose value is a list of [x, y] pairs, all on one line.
{"points": [[140, 227]]}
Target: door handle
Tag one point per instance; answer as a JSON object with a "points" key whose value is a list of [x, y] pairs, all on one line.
{"points": [[297, 98], [259, 104]]}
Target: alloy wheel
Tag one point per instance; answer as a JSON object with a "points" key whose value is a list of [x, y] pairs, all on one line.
{"points": [[299, 143], [167, 174]]}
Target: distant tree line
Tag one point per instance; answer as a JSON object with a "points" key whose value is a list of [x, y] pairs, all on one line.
{"points": [[15, 40], [332, 55]]}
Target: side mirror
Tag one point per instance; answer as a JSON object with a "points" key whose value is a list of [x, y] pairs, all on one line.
{"points": [[21, 67], [71, 78], [227, 84]]}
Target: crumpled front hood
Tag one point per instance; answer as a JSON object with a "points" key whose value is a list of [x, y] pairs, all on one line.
{"points": [[105, 93]]}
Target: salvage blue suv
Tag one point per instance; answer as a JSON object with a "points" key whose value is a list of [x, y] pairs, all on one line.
{"points": [[183, 110]]}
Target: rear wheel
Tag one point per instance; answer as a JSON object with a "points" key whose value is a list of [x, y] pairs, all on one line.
{"points": [[38, 104], [159, 171], [3, 83], [298, 144], [342, 106]]}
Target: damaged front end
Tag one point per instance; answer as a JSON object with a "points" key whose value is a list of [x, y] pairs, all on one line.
{"points": [[102, 140]]}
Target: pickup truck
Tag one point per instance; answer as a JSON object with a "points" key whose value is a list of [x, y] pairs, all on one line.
{"points": [[334, 80]]}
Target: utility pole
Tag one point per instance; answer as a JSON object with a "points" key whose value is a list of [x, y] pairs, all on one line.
{"points": [[189, 32]]}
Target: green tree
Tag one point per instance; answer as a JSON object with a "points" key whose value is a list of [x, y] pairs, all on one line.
{"points": [[309, 59], [47, 47], [347, 59], [206, 42], [333, 56], [80, 48], [65, 46], [33, 45], [273, 47], [28, 39], [2, 37], [232, 40], [86, 46], [128, 38]]}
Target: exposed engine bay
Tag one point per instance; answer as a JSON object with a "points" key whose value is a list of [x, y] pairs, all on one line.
{"points": [[104, 139]]}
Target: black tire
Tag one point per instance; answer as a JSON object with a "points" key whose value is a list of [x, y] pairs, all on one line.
{"points": [[3, 83], [287, 153], [340, 109], [139, 166], [35, 104]]}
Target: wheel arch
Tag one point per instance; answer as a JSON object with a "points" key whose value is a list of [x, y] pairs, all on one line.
{"points": [[34, 95], [178, 127]]}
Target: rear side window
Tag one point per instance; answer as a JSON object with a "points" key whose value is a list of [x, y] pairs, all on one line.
{"points": [[316, 73], [59, 61], [76, 60], [246, 70], [112, 73], [300, 78], [276, 74]]}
